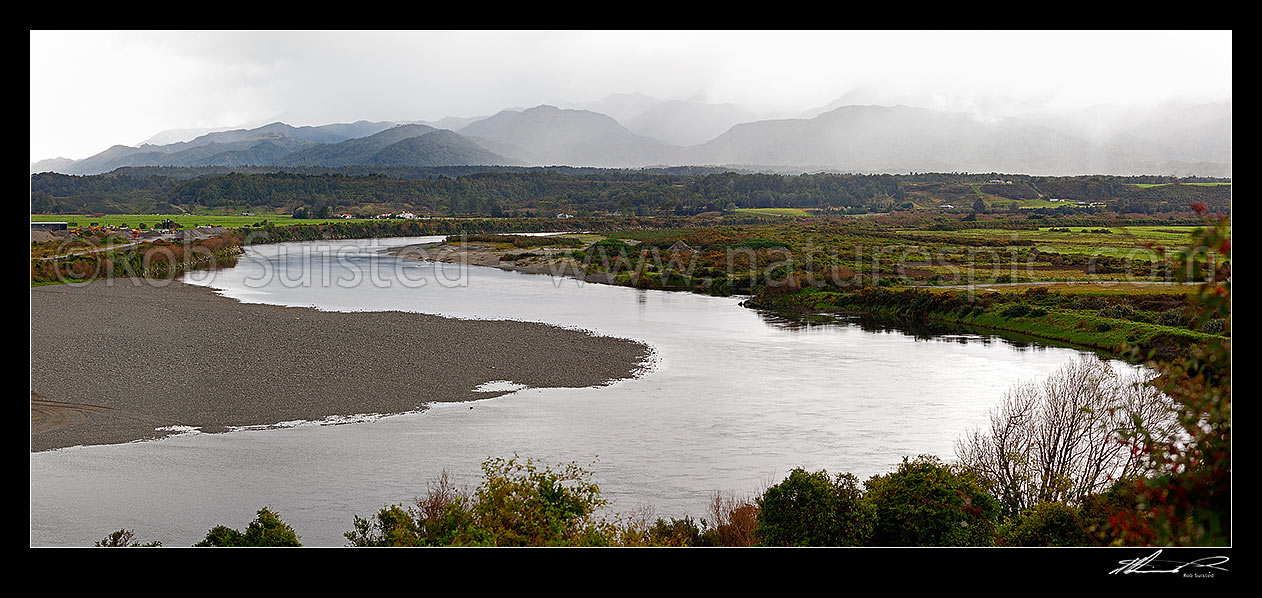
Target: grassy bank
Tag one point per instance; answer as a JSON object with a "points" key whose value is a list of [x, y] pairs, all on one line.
{"points": [[1132, 325]]}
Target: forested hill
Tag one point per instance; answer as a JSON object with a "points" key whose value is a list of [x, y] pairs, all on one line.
{"points": [[491, 191]]}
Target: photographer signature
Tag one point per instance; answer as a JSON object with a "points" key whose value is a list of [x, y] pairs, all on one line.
{"points": [[1150, 564]]}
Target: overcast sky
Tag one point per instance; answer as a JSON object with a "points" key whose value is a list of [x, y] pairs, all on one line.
{"points": [[94, 89]]}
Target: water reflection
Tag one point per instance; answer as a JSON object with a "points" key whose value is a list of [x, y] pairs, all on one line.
{"points": [[797, 321]]}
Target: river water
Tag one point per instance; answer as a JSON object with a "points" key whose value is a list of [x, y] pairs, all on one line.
{"points": [[732, 401]]}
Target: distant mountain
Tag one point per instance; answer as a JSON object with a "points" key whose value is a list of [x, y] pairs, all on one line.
{"points": [[243, 147], [250, 152], [354, 152], [550, 136], [321, 134], [687, 123], [51, 165], [438, 148]]}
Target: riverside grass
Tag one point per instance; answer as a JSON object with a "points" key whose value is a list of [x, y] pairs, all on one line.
{"points": [[1084, 328]]}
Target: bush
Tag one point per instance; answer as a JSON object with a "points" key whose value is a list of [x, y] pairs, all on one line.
{"points": [[928, 503], [1175, 316], [812, 509], [1047, 524], [517, 504], [676, 532], [266, 530], [733, 522], [124, 538], [1118, 311], [1017, 310], [1213, 326]]}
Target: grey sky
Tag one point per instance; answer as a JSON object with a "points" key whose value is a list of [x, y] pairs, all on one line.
{"points": [[90, 90]]}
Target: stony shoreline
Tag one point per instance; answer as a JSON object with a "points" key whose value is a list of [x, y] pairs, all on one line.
{"points": [[114, 360]]}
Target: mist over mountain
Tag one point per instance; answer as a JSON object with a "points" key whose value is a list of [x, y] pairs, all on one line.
{"points": [[178, 135], [451, 123], [547, 135], [1169, 138], [898, 138], [687, 123], [620, 106]]}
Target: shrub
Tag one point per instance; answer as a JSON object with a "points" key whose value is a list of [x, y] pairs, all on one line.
{"points": [[1213, 326], [928, 503], [676, 532], [1174, 316], [124, 538], [1047, 524], [733, 522], [1119, 311], [266, 530], [1016, 310], [517, 504], [812, 509]]}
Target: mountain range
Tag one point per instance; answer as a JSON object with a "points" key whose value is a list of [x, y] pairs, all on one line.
{"points": [[638, 131]]}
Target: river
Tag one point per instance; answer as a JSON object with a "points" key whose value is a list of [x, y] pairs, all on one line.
{"points": [[732, 401]]}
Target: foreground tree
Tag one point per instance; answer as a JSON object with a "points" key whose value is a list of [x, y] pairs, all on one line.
{"points": [[813, 509], [1064, 439], [124, 538], [517, 504], [266, 530], [929, 503], [1046, 524]]}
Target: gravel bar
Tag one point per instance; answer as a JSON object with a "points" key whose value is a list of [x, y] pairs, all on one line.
{"points": [[113, 361]]}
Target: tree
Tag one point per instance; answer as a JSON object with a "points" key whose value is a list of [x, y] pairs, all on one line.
{"points": [[124, 538], [267, 529], [813, 509], [979, 206], [929, 503], [442, 517], [1047, 524], [1063, 440], [732, 521], [517, 504]]}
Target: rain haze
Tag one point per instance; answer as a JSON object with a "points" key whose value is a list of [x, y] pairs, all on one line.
{"points": [[94, 89]]}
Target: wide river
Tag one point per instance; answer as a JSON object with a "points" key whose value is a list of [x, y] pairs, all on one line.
{"points": [[733, 400]]}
